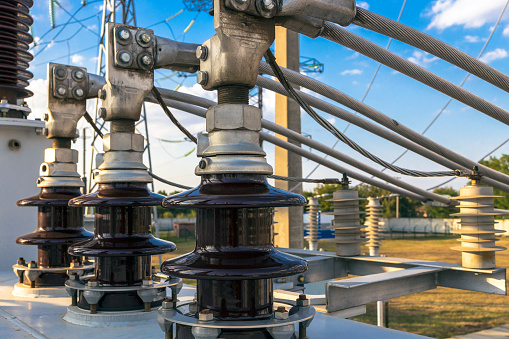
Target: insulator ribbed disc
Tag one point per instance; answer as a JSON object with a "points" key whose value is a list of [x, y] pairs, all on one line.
{"points": [[15, 38]]}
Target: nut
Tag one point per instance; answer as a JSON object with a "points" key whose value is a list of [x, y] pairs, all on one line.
{"points": [[147, 281], [303, 300], [202, 78], [145, 38], [45, 117], [232, 117], [121, 141], [57, 169], [125, 57], [202, 52], [93, 283], [73, 276], [61, 90], [74, 263], [79, 74], [101, 94], [281, 313], [32, 264], [21, 261], [60, 155], [102, 112], [146, 60], [167, 303], [124, 34], [205, 315], [79, 92]]}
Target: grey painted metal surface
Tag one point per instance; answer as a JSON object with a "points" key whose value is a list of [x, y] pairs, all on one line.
{"points": [[23, 323]]}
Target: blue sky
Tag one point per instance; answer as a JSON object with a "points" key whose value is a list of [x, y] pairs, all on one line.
{"points": [[464, 24]]}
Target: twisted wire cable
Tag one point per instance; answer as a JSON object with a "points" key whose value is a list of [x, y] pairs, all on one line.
{"points": [[334, 131], [413, 37], [343, 37]]}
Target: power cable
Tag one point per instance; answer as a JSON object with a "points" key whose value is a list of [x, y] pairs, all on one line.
{"points": [[316, 181], [166, 110], [334, 131]]}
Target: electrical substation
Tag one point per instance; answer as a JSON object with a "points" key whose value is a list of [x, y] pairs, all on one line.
{"points": [[252, 273]]}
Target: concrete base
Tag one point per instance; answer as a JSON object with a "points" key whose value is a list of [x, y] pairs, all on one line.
{"points": [[24, 291], [77, 316]]}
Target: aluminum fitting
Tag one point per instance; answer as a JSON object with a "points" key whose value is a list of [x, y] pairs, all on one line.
{"points": [[120, 141], [233, 117], [281, 313], [60, 155], [303, 301], [205, 315]]}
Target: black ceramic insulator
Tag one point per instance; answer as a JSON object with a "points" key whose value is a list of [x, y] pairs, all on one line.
{"points": [[58, 227], [15, 22]]}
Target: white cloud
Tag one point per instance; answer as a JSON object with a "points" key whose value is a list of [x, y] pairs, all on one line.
{"points": [[466, 13], [472, 38], [331, 120], [77, 59], [421, 58], [505, 32], [363, 4], [351, 72], [496, 54], [39, 102]]}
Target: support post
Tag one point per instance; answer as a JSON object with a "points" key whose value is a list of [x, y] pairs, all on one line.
{"points": [[289, 223]]}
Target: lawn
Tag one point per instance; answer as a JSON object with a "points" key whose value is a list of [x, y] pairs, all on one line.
{"points": [[439, 313]]}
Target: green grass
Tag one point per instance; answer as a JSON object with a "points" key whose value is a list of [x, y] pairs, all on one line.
{"points": [[439, 313]]}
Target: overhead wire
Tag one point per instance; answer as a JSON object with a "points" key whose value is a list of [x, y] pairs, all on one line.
{"points": [[334, 131]]}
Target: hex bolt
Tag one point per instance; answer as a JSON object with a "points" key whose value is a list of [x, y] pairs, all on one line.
{"points": [[205, 315], [147, 305], [125, 57], [302, 301], [124, 34], [21, 261], [202, 52], [45, 117], [101, 94], [32, 283], [92, 283], [268, 4], [32, 264], [74, 300], [20, 279], [281, 313], [79, 74], [102, 112], [74, 263], [60, 72], [202, 78], [167, 303], [145, 38], [146, 60], [61, 90], [79, 92]]}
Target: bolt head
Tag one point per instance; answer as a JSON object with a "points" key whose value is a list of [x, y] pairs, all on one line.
{"points": [[125, 57], [79, 74], [101, 94], [145, 38], [32, 264], [79, 92], [202, 78], [205, 315], [146, 60], [167, 304], [21, 261], [202, 52], [124, 34], [45, 117], [61, 90], [268, 4], [202, 164], [102, 112], [281, 313], [60, 72]]}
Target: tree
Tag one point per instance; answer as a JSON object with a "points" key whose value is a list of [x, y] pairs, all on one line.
{"points": [[502, 165], [442, 212]]}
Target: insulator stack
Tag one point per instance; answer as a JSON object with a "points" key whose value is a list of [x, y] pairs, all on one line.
{"points": [[374, 214], [477, 226], [312, 226], [235, 260], [347, 223], [15, 22]]}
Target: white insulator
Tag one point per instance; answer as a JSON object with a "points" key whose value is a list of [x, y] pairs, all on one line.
{"points": [[347, 223], [312, 226], [477, 226], [374, 215]]}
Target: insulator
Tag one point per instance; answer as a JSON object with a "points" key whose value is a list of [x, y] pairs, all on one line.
{"points": [[477, 226], [58, 227], [122, 243], [374, 215], [15, 22], [346, 224], [235, 260], [312, 226]]}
